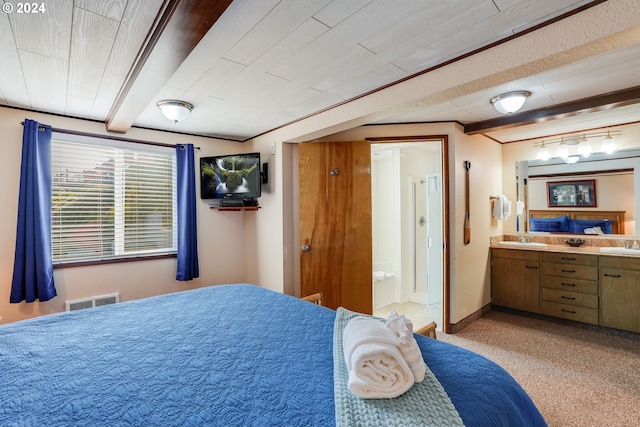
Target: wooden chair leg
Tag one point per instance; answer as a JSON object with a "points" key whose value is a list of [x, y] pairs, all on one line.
{"points": [[314, 298], [429, 330]]}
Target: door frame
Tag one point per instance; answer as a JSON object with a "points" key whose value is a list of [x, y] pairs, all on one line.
{"points": [[446, 226], [291, 198]]}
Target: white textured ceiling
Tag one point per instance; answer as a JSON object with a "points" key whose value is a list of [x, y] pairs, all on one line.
{"points": [[268, 63]]}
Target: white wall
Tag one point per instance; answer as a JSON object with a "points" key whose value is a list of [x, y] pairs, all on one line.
{"points": [[220, 239], [470, 263]]}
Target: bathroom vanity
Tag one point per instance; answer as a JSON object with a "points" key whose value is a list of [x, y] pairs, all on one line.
{"points": [[583, 284]]}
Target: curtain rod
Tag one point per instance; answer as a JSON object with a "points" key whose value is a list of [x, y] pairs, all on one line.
{"points": [[110, 137]]}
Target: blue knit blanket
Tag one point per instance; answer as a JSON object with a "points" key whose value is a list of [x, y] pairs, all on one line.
{"points": [[424, 404]]}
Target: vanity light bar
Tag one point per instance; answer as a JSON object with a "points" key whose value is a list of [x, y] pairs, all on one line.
{"points": [[576, 138]]}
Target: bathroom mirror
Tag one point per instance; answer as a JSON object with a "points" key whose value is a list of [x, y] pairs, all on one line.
{"points": [[616, 177]]}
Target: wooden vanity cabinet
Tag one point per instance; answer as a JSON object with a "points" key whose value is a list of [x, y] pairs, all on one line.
{"points": [[620, 293], [569, 286], [515, 279], [597, 289]]}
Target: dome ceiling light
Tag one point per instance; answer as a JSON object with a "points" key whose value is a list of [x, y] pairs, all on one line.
{"points": [[175, 110], [510, 102]]}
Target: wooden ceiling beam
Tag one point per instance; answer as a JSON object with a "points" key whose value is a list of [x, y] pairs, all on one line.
{"points": [[178, 28], [561, 111]]}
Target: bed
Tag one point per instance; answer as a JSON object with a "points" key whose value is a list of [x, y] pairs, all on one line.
{"points": [[226, 355], [575, 221]]}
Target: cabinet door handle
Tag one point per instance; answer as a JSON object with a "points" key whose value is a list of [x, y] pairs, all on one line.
{"points": [[568, 311], [531, 266], [567, 284], [611, 275], [567, 258], [568, 271], [571, 298]]}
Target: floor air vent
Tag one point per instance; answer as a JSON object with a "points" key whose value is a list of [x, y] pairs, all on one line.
{"points": [[97, 301]]}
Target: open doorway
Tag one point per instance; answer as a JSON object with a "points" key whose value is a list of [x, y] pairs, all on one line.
{"points": [[407, 230]]}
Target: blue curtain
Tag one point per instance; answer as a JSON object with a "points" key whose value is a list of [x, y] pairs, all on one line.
{"points": [[187, 227], [33, 266]]}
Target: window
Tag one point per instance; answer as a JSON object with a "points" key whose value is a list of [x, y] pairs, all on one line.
{"points": [[111, 199]]}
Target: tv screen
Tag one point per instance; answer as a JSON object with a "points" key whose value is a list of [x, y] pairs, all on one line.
{"points": [[231, 176]]}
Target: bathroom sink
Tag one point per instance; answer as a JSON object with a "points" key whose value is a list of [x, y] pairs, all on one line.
{"points": [[620, 250], [525, 244]]}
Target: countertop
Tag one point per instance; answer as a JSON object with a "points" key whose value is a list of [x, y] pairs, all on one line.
{"points": [[564, 248]]}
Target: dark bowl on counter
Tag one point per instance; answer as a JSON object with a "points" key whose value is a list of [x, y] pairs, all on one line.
{"points": [[574, 242]]}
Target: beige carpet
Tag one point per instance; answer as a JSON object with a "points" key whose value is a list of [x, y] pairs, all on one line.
{"points": [[577, 375]]}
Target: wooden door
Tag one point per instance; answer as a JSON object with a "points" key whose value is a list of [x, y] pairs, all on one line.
{"points": [[335, 223]]}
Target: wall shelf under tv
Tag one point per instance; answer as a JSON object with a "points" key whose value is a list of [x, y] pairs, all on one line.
{"points": [[235, 208]]}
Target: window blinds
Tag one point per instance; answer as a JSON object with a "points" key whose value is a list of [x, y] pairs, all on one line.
{"points": [[111, 199]]}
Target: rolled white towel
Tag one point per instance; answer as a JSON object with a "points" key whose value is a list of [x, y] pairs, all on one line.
{"points": [[403, 329], [377, 369]]}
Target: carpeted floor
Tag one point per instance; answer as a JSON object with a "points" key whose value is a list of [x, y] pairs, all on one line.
{"points": [[577, 375]]}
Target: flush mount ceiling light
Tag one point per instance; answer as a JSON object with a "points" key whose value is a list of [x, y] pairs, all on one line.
{"points": [[174, 110], [510, 102]]}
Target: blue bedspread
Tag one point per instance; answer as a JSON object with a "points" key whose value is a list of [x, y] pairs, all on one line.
{"points": [[231, 355]]}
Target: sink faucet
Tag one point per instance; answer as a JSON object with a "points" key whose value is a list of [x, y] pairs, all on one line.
{"points": [[523, 239]]}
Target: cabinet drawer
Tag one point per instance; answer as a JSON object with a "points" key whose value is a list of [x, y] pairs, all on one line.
{"points": [[620, 262], [525, 255], [571, 312], [571, 298], [570, 284], [574, 271], [568, 258]]}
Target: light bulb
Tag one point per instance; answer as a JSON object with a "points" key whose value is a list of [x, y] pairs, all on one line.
{"points": [[608, 145], [562, 151], [584, 148], [543, 153]]}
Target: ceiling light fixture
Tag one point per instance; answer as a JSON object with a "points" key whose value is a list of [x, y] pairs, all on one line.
{"points": [[608, 144], [543, 153], [175, 110], [563, 149], [584, 149], [510, 102]]}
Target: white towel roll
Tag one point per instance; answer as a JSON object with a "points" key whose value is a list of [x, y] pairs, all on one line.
{"points": [[403, 329], [377, 368]]}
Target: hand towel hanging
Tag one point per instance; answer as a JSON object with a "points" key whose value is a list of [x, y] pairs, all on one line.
{"points": [[501, 208]]}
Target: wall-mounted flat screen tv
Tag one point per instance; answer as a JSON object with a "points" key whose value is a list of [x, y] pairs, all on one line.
{"points": [[230, 176]]}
